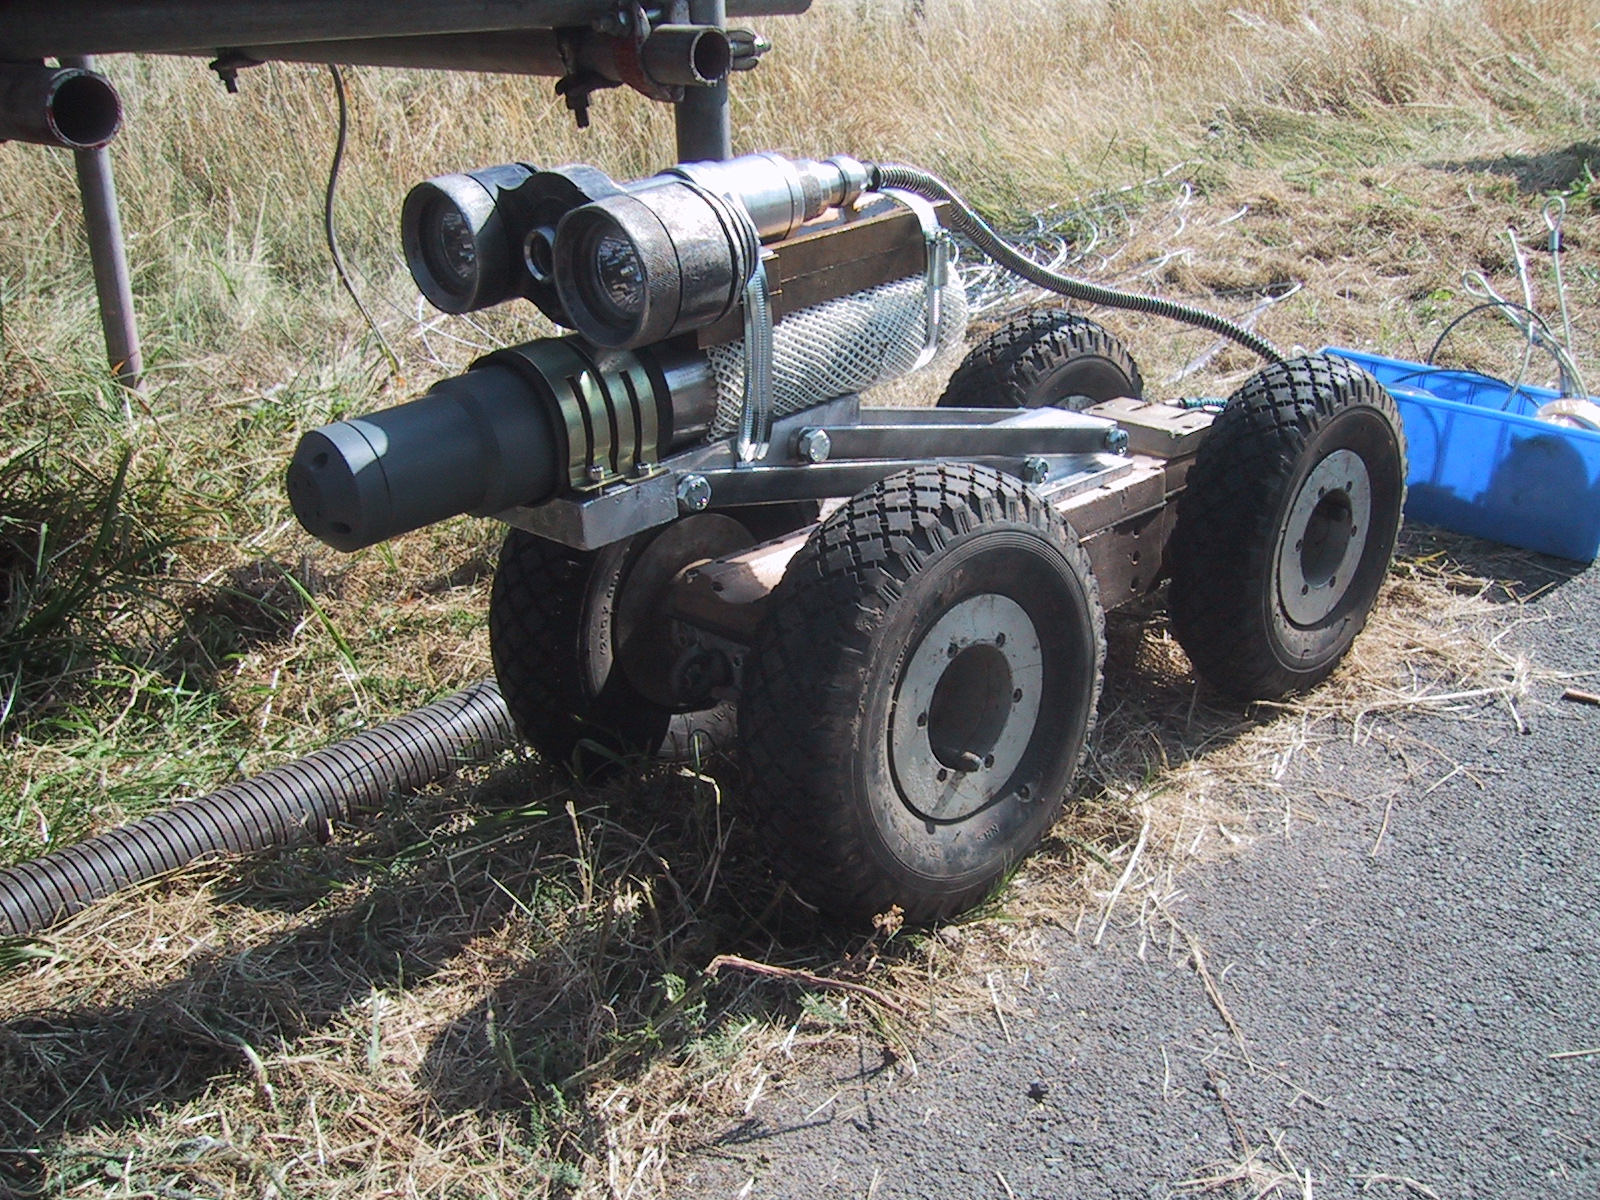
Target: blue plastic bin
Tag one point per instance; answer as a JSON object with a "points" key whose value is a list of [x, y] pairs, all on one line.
{"points": [[1480, 463]]}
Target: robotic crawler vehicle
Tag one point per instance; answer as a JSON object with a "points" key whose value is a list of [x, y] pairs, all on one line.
{"points": [[896, 614]]}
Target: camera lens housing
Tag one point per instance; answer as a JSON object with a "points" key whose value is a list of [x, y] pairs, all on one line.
{"points": [[461, 237], [480, 238], [627, 265], [641, 266]]}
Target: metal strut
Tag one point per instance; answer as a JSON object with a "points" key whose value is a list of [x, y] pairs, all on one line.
{"points": [[109, 257], [705, 132]]}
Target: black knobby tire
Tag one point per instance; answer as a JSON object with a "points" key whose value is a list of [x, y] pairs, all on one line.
{"points": [[1046, 357], [553, 636], [854, 727], [562, 626], [1274, 568], [549, 636]]}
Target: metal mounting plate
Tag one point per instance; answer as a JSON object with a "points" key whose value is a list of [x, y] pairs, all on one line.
{"points": [[1163, 430]]}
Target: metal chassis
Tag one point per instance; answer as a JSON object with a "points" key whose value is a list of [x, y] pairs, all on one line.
{"points": [[1112, 471]]}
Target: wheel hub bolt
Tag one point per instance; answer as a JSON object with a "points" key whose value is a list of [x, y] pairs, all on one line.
{"points": [[694, 493]]}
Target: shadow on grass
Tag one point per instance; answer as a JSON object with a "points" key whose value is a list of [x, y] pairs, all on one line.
{"points": [[559, 932], [568, 932], [1536, 174], [1514, 575], [79, 555], [255, 605]]}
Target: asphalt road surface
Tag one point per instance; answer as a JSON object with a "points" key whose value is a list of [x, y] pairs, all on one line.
{"points": [[1404, 1023]]}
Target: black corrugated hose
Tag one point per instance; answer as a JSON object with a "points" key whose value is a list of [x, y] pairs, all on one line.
{"points": [[279, 807], [967, 222]]}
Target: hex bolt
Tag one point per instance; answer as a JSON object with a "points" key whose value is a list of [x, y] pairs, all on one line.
{"points": [[814, 445], [1117, 440], [694, 493], [1034, 469], [596, 473]]}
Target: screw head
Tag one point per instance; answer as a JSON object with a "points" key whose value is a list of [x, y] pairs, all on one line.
{"points": [[1034, 469], [694, 493], [1117, 440], [814, 445]]}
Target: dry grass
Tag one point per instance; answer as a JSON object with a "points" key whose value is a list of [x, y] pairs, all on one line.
{"points": [[498, 990]]}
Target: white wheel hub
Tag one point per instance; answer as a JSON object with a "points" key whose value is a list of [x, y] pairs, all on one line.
{"points": [[966, 707], [1320, 545]]}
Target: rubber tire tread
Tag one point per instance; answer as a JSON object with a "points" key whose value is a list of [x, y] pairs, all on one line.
{"points": [[1004, 369], [800, 699], [538, 621], [536, 626], [1225, 531]]}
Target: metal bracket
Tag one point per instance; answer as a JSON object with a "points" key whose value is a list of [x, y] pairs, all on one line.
{"points": [[227, 66], [1058, 452], [628, 47], [937, 275], [755, 414], [594, 518], [961, 433], [1161, 430], [604, 517]]}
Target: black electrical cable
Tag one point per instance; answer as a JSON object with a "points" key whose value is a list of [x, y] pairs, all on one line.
{"points": [[327, 219], [1476, 309], [966, 221]]}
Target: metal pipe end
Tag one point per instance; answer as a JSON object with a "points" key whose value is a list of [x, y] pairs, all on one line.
{"points": [[84, 111], [688, 55], [69, 107]]}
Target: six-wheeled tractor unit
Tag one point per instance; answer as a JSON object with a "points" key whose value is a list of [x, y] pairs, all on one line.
{"points": [[895, 616]]}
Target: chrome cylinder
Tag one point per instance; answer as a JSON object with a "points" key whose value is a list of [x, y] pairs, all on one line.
{"points": [[779, 193], [687, 55]]}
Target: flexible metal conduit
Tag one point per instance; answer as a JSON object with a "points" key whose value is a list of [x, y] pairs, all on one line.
{"points": [[966, 221], [280, 807]]}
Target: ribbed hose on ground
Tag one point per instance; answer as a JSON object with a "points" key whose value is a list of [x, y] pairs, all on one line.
{"points": [[966, 221], [282, 806]]}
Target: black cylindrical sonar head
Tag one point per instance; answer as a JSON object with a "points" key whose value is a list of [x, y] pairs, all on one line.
{"points": [[479, 443]]}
